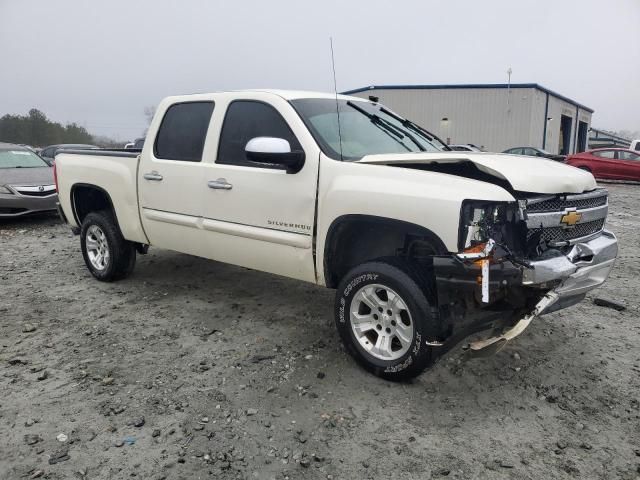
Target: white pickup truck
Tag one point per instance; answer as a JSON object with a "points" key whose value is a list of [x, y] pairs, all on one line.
{"points": [[424, 246]]}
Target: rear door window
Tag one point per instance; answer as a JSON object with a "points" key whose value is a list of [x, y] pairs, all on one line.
{"points": [[247, 119], [628, 156], [183, 131]]}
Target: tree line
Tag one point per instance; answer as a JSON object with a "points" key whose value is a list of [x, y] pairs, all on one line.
{"points": [[37, 130]]}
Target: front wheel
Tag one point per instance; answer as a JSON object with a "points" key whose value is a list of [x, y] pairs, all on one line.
{"points": [[106, 253], [384, 318]]}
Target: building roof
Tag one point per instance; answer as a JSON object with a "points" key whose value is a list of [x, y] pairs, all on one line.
{"points": [[604, 134], [469, 86]]}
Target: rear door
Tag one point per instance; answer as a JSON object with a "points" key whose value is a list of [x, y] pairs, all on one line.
{"points": [[171, 178], [256, 215], [629, 165]]}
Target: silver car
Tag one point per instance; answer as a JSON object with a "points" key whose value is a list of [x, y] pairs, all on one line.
{"points": [[26, 182]]}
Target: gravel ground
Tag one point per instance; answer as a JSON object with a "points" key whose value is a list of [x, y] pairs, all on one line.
{"points": [[195, 369]]}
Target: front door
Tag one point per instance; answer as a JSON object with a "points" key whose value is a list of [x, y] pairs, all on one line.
{"points": [[256, 215]]}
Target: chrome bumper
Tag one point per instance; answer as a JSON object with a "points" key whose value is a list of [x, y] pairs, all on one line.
{"points": [[584, 268]]}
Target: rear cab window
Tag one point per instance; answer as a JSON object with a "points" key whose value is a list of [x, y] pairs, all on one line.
{"points": [[183, 131]]}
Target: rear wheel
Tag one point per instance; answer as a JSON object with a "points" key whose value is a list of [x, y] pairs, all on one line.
{"points": [[106, 253], [384, 318]]}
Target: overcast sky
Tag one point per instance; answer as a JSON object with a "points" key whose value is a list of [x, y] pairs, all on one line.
{"points": [[100, 63]]}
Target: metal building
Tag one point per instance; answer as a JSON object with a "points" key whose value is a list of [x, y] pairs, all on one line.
{"points": [[492, 116]]}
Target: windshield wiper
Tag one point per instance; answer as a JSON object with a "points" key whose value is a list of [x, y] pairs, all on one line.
{"points": [[376, 120], [415, 127]]}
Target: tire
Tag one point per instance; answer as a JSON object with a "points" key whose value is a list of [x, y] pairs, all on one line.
{"points": [[389, 346], [106, 253]]}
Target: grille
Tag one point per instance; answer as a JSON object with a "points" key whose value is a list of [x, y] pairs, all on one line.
{"points": [[558, 204], [560, 234], [38, 194], [11, 211]]}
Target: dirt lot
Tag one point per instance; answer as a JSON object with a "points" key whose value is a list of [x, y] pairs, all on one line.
{"points": [[195, 369]]}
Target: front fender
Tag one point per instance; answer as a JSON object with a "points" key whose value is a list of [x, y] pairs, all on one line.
{"points": [[428, 199]]}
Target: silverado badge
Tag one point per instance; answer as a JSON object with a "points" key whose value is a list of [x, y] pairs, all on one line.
{"points": [[569, 219]]}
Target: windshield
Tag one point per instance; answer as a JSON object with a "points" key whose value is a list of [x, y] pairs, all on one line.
{"points": [[17, 158], [365, 129]]}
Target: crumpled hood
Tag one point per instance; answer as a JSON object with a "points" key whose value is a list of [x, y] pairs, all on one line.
{"points": [[26, 176], [525, 174]]}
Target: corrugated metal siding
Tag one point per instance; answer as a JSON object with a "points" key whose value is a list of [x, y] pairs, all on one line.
{"points": [[557, 108], [537, 119], [482, 117], [479, 116]]}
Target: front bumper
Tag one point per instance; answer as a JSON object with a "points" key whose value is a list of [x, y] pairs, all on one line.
{"points": [[571, 276], [16, 205], [515, 291]]}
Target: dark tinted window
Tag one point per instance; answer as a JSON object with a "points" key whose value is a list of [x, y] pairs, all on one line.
{"points": [[47, 152], [183, 131], [247, 119]]}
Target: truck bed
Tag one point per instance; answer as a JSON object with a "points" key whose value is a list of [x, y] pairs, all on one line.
{"points": [[115, 172]]}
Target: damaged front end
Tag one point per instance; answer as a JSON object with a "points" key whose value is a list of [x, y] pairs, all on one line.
{"points": [[520, 260]]}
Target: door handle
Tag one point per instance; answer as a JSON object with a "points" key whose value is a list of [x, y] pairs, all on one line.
{"points": [[155, 176], [219, 184]]}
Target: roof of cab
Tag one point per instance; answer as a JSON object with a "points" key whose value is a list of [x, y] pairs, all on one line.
{"points": [[297, 94], [286, 94]]}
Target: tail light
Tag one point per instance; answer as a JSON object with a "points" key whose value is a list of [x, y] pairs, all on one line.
{"points": [[55, 175]]}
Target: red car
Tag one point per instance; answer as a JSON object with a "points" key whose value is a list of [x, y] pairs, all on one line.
{"points": [[609, 163]]}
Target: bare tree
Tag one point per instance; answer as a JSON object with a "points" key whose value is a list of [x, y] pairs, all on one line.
{"points": [[149, 112]]}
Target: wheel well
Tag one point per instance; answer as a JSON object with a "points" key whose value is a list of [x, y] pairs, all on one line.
{"points": [[89, 198], [584, 167], [355, 239]]}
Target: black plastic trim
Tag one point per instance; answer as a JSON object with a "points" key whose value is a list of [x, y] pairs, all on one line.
{"points": [[75, 186], [431, 236], [107, 152]]}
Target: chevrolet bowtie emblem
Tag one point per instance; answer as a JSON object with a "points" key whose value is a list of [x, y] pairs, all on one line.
{"points": [[571, 218]]}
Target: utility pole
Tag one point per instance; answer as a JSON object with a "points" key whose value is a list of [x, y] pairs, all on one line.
{"points": [[509, 89]]}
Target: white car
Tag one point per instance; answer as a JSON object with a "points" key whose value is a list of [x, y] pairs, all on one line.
{"points": [[423, 246]]}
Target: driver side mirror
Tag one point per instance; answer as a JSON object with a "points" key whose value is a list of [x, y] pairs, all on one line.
{"points": [[274, 151]]}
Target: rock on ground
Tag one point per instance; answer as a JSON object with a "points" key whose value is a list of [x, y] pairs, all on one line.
{"points": [[134, 368]]}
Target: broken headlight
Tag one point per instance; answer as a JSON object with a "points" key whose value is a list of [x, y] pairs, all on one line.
{"points": [[481, 221]]}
